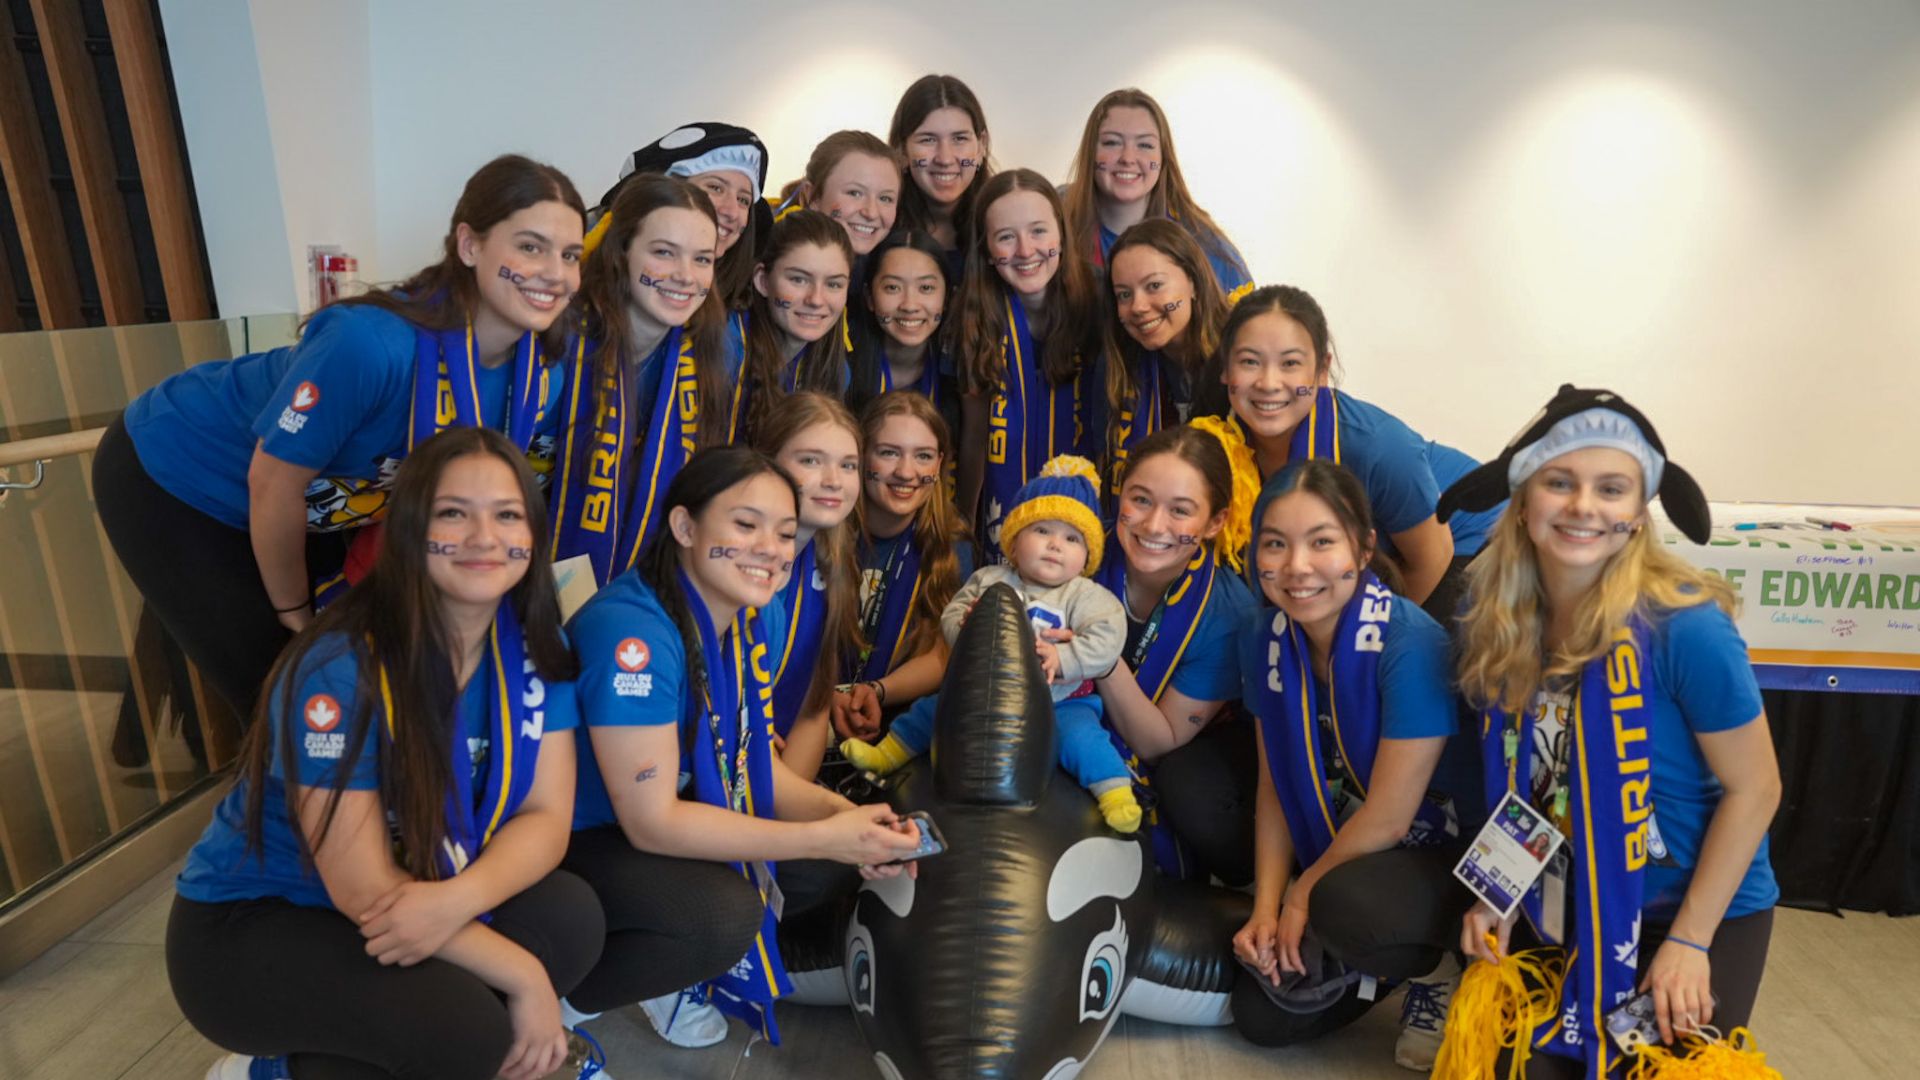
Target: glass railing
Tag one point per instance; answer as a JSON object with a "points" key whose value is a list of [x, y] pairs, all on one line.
{"points": [[103, 723]]}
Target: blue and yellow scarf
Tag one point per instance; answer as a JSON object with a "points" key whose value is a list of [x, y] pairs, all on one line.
{"points": [[516, 720], [806, 606], [928, 385], [887, 614], [1032, 421], [1289, 707], [1609, 777], [730, 750], [1144, 416], [446, 393], [1163, 644], [600, 509]]}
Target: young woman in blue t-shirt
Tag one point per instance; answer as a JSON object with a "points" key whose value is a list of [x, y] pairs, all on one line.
{"points": [[913, 554], [646, 373], [379, 894], [1347, 682], [688, 826], [1618, 701], [216, 483], [1278, 365]]}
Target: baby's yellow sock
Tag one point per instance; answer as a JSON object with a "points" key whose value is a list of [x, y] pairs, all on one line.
{"points": [[878, 760], [1120, 808]]}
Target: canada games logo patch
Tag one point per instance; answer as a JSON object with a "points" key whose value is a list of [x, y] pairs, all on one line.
{"points": [[294, 416], [322, 742], [632, 655], [632, 680], [323, 713]]}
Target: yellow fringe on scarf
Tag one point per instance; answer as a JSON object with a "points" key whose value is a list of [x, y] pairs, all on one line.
{"points": [[1704, 1056], [1238, 531], [1497, 1006]]}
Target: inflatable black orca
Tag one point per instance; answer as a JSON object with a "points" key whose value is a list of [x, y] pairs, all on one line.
{"points": [[1018, 949]]}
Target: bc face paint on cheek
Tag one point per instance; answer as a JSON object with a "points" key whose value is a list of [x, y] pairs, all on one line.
{"points": [[723, 553], [437, 547], [519, 553]]}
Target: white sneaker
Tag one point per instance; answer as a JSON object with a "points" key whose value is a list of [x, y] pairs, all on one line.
{"points": [[1423, 1017], [684, 1021], [243, 1067], [584, 1052]]}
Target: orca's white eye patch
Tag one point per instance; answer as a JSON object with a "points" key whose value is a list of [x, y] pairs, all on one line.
{"points": [[1095, 867], [1103, 970], [859, 966]]}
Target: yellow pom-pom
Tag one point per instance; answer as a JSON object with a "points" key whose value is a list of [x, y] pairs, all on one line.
{"points": [[1497, 1007], [1072, 465], [1238, 531], [1705, 1057]]}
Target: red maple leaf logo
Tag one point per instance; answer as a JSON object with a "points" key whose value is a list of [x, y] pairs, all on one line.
{"points": [[305, 396], [632, 655], [323, 713]]}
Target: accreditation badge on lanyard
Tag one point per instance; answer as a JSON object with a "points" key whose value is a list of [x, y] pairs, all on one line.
{"points": [[1510, 854], [733, 777]]}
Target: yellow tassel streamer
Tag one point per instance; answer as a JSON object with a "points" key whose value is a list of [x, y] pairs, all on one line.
{"points": [[1238, 531], [1497, 1007], [1705, 1056]]}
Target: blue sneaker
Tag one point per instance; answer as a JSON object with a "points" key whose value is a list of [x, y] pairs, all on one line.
{"points": [[1423, 1018], [242, 1067]]}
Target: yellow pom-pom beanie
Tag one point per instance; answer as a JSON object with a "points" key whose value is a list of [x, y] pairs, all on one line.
{"points": [[1067, 489]]}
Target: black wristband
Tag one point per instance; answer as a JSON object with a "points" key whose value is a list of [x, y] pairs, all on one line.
{"points": [[879, 690], [301, 606]]}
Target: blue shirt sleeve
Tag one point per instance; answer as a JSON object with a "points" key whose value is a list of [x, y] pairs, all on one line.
{"points": [[1416, 699], [1703, 665], [1210, 668], [325, 697], [1391, 460], [632, 663], [344, 376], [563, 708]]}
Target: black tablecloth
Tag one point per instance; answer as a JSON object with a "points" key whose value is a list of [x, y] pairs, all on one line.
{"points": [[1848, 831]]}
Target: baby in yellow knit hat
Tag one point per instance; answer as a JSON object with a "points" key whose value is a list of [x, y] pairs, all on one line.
{"points": [[1052, 539]]}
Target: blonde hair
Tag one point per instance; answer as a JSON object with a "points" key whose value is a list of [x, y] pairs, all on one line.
{"points": [[1503, 659], [835, 548]]}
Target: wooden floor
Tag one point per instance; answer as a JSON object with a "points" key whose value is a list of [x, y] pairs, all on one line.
{"points": [[1839, 1001]]}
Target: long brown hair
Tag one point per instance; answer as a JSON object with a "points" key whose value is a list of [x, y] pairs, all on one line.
{"points": [[607, 277], [936, 525], [821, 363], [445, 295], [1170, 198], [392, 621], [1209, 316], [926, 95], [836, 148], [1074, 327], [837, 555]]}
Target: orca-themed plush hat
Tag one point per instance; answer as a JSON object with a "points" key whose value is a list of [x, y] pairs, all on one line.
{"points": [[1574, 420], [692, 150]]}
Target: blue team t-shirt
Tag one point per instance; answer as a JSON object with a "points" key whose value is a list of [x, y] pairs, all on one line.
{"points": [[1416, 698], [633, 673], [1702, 683], [220, 869], [1470, 528], [1390, 460], [1209, 667], [338, 400]]}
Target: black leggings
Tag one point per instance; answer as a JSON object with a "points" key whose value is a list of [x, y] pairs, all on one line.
{"points": [[1392, 914], [197, 574], [267, 977], [675, 922], [1206, 791]]}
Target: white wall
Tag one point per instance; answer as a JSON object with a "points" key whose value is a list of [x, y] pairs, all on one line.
{"points": [[276, 100], [1709, 207]]}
